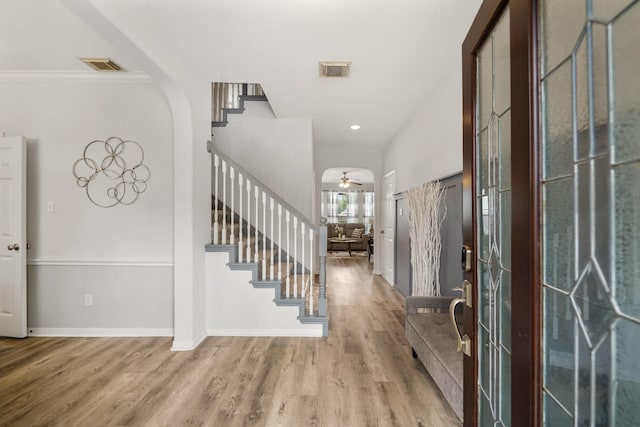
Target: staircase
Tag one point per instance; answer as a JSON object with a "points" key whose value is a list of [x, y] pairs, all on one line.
{"points": [[229, 98], [265, 236]]}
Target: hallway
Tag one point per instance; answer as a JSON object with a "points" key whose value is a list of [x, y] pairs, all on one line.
{"points": [[361, 375]]}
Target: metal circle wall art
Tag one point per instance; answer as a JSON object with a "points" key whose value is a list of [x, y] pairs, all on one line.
{"points": [[112, 172]]}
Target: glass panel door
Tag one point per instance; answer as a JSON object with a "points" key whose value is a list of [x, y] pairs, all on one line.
{"points": [[493, 225], [590, 213]]}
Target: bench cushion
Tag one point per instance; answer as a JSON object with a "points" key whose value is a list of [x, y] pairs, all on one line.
{"points": [[432, 337]]}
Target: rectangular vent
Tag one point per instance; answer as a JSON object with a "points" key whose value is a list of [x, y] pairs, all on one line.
{"points": [[102, 64], [334, 69]]}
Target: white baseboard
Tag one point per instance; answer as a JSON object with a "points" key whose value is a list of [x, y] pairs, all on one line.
{"points": [[100, 332], [310, 332]]}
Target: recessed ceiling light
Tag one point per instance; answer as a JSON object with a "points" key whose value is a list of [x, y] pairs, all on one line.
{"points": [[355, 127]]}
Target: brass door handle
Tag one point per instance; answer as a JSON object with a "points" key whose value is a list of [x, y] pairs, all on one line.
{"points": [[14, 247], [464, 343]]}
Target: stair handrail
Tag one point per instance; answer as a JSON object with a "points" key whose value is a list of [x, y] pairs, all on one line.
{"points": [[211, 148]]}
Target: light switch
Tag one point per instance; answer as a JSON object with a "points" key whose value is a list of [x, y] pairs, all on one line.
{"points": [[51, 206]]}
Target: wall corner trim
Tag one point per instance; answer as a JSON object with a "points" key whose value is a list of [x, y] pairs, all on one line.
{"points": [[188, 345]]}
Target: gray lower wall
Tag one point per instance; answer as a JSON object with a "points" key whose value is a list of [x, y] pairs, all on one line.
{"points": [[451, 236], [124, 296], [402, 268]]}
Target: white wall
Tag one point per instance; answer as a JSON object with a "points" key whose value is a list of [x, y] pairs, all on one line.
{"points": [[278, 152], [430, 145], [123, 254], [187, 88]]}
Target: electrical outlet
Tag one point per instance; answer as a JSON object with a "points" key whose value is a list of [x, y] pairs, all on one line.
{"points": [[51, 206], [88, 299]]}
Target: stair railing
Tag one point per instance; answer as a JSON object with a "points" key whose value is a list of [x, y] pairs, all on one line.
{"points": [[275, 227]]}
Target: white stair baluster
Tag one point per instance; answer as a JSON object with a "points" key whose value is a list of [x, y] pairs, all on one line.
{"points": [[264, 236], [248, 257], [257, 221], [271, 276], [303, 244], [224, 202], [216, 164], [288, 252], [240, 219], [279, 242], [312, 274], [295, 257], [232, 175]]}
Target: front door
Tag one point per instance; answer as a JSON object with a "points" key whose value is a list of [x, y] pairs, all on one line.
{"points": [[552, 213], [490, 236], [13, 226]]}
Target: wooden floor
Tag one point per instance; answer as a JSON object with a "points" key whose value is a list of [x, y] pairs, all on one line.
{"points": [[361, 375]]}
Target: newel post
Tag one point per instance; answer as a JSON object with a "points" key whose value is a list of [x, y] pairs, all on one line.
{"points": [[322, 252]]}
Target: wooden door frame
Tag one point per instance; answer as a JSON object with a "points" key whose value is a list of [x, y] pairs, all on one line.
{"points": [[526, 319]]}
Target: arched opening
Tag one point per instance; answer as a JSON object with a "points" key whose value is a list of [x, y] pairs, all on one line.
{"points": [[347, 201]]}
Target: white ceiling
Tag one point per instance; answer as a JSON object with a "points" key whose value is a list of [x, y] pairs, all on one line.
{"points": [[400, 51]]}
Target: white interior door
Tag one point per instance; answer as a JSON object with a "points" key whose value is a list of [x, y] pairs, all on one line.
{"points": [[13, 237], [388, 231]]}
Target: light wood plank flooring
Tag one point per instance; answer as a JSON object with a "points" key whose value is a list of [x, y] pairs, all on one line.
{"points": [[361, 375]]}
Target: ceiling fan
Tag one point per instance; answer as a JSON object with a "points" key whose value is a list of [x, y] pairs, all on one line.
{"points": [[346, 182]]}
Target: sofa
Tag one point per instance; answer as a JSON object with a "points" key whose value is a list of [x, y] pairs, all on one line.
{"points": [[362, 243], [433, 341]]}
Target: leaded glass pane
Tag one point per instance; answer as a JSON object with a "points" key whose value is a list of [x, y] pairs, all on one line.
{"points": [[581, 108], [504, 162], [504, 241], [605, 10], [600, 97], [484, 310], [483, 163], [493, 210], [558, 234], [602, 213], [559, 349], [484, 361], [502, 69], [505, 388], [557, 122], [627, 374], [485, 85], [591, 217], [561, 22], [505, 310], [554, 415], [626, 84], [484, 227], [627, 245], [583, 214]]}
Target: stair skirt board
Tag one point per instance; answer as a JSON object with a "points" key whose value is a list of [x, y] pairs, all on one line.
{"points": [[238, 306]]}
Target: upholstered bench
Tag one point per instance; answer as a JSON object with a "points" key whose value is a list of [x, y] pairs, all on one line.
{"points": [[433, 341]]}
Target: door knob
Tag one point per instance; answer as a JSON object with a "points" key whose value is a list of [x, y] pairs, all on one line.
{"points": [[14, 247]]}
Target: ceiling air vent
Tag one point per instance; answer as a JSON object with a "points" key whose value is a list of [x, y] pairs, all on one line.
{"points": [[101, 64], [334, 69]]}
